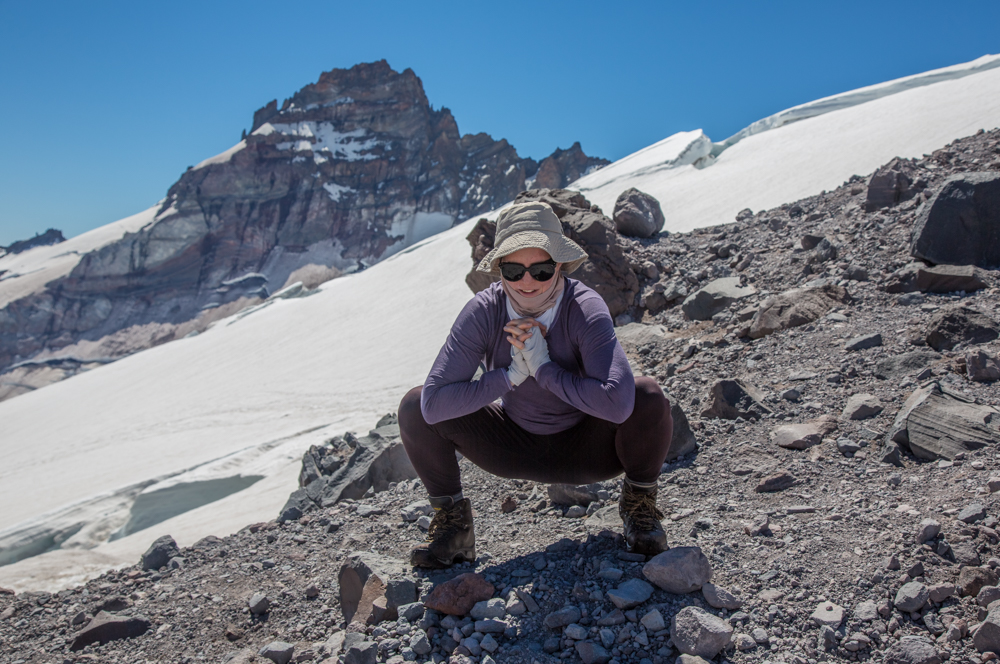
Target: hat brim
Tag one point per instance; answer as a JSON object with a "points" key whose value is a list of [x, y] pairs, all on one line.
{"points": [[559, 247]]}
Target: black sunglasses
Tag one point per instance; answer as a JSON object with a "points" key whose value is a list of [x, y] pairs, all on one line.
{"points": [[539, 271]]}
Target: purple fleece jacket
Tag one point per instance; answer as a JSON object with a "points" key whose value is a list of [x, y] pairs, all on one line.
{"points": [[588, 374]]}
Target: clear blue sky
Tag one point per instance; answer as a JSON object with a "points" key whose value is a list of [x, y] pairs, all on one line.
{"points": [[104, 104]]}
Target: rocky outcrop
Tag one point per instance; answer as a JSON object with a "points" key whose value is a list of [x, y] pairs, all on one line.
{"points": [[607, 269], [960, 224], [936, 422], [937, 279], [564, 166], [957, 324], [892, 184], [345, 172], [796, 307], [51, 236]]}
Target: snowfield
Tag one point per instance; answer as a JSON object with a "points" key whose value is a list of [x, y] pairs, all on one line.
{"points": [[236, 406]]}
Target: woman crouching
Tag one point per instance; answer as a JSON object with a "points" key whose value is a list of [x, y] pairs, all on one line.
{"points": [[569, 411]]}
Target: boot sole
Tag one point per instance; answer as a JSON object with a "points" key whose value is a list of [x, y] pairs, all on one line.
{"points": [[431, 562]]}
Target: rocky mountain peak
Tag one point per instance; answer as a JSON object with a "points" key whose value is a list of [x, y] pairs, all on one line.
{"points": [[347, 171]]}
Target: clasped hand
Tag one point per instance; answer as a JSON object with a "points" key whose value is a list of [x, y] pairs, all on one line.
{"points": [[529, 350]]}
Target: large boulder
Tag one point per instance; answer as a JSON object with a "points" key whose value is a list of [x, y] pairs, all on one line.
{"points": [[105, 627], [159, 553], [891, 184], [957, 324], [960, 224], [796, 307], [918, 276], [936, 422], [607, 269], [638, 214], [715, 297]]}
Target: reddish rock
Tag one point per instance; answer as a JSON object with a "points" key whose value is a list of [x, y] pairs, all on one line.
{"points": [[457, 596]]}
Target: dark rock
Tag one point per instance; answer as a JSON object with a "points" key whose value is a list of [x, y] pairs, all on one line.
{"points": [[805, 435], [729, 399], [715, 297], [278, 652], [159, 553], [573, 494], [809, 242], [796, 307], [911, 597], [105, 627], [562, 617], [863, 342], [960, 224], [972, 579], [891, 184], [971, 513], [49, 237], [683, 440], [957, 324], [937, 279], [906, 364], [938, 423], [637, 214]]}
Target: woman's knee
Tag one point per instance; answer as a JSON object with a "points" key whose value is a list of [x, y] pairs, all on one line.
{"points": [[650, 403], [409, 409]]}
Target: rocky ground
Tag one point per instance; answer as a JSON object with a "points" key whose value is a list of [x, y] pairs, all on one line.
{"points": [[809, 523]]}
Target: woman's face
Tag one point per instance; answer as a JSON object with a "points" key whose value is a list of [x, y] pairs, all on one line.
{"points": [[527, 286]]}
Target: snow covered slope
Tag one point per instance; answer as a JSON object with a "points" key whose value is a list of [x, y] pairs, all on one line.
{"points": [[804, 150], [241, 401]]}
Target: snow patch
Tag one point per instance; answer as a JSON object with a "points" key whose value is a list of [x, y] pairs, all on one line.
{"points": [[336, 190], [322, 137], [222, 157]]}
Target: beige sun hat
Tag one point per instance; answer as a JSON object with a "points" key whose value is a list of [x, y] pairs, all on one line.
{"points": [[535, 225]]}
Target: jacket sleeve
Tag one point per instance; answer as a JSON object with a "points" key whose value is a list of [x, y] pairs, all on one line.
{"points": [[607, 388], [449, 391]]}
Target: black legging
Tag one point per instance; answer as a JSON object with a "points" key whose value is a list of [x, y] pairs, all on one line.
{"points": [[591, 451]]}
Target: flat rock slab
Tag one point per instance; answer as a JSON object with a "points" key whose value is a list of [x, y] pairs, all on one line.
{"points": [[936, 422], [912, 650], [562, 617], [695, 631], [805, 435], [573, 494], [829, 614], [863, 342], [796, 307], [278, 652], [720, 598], [971, 513], [716, 296], [861, 407], [630, 594], [939, 279], [457, 596], [680, 570], [777, 482], [905, 364], [105, 627]]}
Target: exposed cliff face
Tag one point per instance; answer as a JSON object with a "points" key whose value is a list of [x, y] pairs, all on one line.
{"points": [[346, 172]]}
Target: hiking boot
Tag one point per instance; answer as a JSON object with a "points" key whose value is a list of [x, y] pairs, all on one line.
{"points": [[451, 537], [641, 519]]}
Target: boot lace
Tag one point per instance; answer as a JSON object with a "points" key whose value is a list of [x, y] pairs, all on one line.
{"points": [[444, 523], [642, 509]]}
